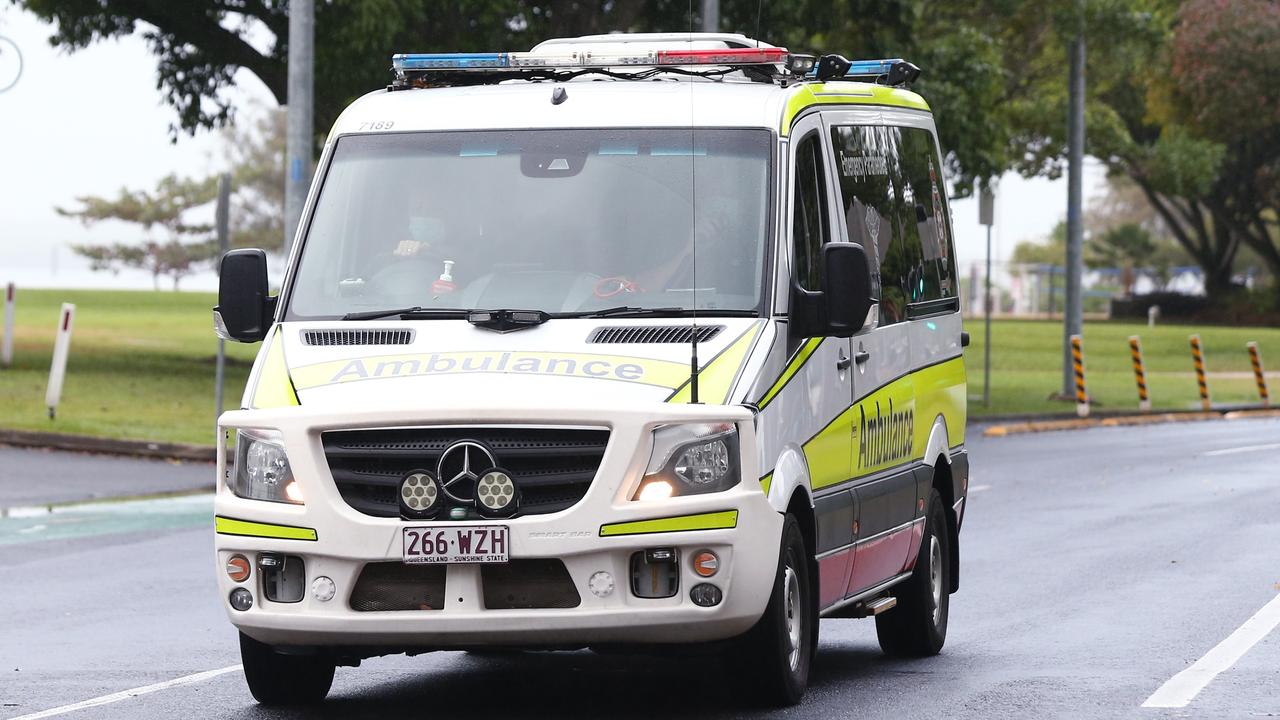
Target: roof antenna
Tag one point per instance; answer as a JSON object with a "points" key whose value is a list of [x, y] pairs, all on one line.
{"points": [[693, 223]]}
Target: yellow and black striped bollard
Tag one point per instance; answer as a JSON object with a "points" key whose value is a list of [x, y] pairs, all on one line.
{"points": [[1077, 363], [1139, 373], [1256, 359], [1197, 354]]}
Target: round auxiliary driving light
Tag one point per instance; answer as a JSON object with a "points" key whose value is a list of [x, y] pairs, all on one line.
{"points": [[238, 568], [705, 563], [705, 595], [323, 589], [496, 493], [419, 495], [601, 584], [241, 599]]}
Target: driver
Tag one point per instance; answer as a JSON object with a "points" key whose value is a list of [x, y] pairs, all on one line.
{"points": [[421, 251]]}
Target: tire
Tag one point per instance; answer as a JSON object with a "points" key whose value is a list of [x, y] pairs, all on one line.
{"points": [[774, 659], [277, 679], [917, 626]]}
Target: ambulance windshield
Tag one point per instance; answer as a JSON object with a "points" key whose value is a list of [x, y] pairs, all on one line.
{"points": [[564, 221]]}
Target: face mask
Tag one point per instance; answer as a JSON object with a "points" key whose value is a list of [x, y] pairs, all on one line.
{"points": [[427, 230]]}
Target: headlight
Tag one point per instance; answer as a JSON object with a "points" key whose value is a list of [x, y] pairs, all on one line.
{"points": [[691, 460], [262, 469]]}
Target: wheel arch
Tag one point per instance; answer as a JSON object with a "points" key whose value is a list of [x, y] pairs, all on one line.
{"points": [[937, 455]]}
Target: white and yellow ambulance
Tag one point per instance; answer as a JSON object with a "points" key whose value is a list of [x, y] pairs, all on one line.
{"points": [[626, 340]]}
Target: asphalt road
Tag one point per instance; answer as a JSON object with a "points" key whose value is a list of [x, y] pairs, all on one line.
{"points": [[1096, 565]]}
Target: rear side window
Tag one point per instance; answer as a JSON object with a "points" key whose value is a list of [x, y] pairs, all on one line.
{"points": [[809, 217], [893, 204], [926, 219]]}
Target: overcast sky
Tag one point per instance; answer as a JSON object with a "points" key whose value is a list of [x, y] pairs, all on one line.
{"points": [[92, 122]]}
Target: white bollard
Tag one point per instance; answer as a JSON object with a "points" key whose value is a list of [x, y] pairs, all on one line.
{"points": [[61, 347], [6, 346]]}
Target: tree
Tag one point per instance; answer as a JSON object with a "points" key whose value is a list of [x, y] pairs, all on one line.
{"points": [[964, 49], [1225, 58], [255, 154], [184, 244]]}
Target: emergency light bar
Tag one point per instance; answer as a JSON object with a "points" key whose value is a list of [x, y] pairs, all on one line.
{"points": [[498, 66], [411, 62]]}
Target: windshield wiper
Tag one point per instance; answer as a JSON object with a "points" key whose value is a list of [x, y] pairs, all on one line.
{"points": [[629, 311], [410, 313]]}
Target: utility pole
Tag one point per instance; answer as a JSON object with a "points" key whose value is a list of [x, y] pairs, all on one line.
{"points": [[710, 16], [302, 27], [1073, 308], [222, 217], [987, 216]]}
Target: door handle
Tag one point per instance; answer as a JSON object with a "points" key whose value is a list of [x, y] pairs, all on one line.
{"points": [[861, 356], [844, 362]]}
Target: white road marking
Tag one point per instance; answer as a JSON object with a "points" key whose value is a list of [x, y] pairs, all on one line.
{"points": [[1183, 687], [1242, 449], [978, 488], [126, 694]]}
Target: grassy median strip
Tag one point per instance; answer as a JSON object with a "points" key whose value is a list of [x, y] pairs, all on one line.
{"points": [[141, 365], [1026, 365]]}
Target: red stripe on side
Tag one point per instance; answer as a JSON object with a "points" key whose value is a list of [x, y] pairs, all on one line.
{"points": [[880, 559], [917, 535], [833, 576]]}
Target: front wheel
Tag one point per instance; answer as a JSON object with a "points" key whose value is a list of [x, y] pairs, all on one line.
{"points": [[780, 648], [917, 627], [278, 679]]}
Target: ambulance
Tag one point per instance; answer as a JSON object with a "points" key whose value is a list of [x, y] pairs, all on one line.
{"points": [[633, 341]]}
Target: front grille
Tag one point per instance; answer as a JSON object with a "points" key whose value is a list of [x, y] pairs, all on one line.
{"points": [[397, 586], [653, 334], [357, 337], [553, 467], [530, 584]]}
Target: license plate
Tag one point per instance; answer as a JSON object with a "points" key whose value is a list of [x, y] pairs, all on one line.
{"points": [[456, 544]]}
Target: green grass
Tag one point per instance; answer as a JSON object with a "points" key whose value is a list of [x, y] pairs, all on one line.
{"points": [[1026, 365], [141, 365]]}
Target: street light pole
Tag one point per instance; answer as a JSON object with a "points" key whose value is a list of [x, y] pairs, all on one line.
{"points": [[710, 16], [1073, 307], [301, 86]]}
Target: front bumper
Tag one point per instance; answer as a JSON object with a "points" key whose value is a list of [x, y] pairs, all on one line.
{"points": [[346, 540]]}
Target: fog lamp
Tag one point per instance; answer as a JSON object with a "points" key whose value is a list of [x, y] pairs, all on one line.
{"points": [[241, 599], [705, 595]]}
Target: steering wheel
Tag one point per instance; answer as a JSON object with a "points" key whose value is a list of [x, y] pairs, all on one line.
{"points": [[616, 285]]}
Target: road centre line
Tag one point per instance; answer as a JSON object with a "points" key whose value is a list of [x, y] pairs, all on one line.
{"points": [[978, 488], [1183, 687], [135, 692], [1241, 449]]}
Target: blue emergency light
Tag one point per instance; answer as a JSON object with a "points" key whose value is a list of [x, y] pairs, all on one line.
{"points": [[448, 61]]}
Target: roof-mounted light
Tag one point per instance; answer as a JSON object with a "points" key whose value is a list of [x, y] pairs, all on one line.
{"points": [[421, 62], [892, 71]]}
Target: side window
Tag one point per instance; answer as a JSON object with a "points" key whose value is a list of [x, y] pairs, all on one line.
{"points": [[926, 216], [871, 199], [809, 217]]}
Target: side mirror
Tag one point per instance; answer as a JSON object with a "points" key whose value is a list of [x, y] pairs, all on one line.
{"points": [[244, 308], [846, 275], [840, 308]]}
